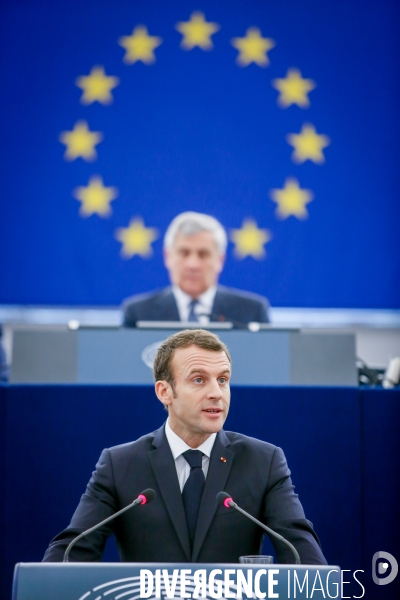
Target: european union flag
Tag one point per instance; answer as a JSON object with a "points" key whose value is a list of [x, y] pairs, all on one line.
{"points": [[279, 118]]}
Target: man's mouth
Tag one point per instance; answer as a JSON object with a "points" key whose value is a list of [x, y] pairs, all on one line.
{"points": [[212, 411]]}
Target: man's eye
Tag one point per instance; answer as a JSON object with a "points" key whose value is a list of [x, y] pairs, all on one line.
{"points": [[198, 380], [223, 379]]}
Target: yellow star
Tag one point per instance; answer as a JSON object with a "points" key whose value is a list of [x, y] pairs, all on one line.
{"points": [[139, 46], [250, 240], [308, 144], [197, 32], [253, 48], [97, 86], [95, 197], [136, 239], [291, 199], [80, 142], [293, 89]]}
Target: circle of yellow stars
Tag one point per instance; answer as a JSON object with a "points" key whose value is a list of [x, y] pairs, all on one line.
{"points": [[95, 197], [250, 240], [136, 239], [291, 200], [140, 46]]}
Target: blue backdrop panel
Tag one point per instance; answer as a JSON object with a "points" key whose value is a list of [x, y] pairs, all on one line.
{"points": [[381, 480], [195, 130], [55, 435]]}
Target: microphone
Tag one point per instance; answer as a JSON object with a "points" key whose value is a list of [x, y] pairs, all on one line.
{"points": [[143, 498], [225, 500]]}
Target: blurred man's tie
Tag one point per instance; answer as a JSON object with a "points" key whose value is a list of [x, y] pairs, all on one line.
{"points": [[193, 318]]}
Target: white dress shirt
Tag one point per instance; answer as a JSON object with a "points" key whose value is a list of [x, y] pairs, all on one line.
{"points": [[203, 308], [178, 446]]}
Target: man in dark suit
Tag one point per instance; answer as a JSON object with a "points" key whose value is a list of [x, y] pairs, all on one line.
{"points": [[194, 254], [187, 462]]}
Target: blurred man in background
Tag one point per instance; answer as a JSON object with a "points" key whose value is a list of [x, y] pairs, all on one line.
{"points": [[194, 254]]}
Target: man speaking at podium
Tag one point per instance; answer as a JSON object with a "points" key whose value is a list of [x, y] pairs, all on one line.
{"points": [[194, 254], [188, 461]]}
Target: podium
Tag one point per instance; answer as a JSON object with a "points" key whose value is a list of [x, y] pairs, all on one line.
{"points": [[139, 581], [124, 356]]}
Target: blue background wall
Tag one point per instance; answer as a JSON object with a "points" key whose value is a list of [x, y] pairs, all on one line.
{"points": [[196, 131], [342, 446]]}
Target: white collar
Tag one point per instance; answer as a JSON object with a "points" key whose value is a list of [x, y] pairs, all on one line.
{"points": [[178, 446], [206, 299]]}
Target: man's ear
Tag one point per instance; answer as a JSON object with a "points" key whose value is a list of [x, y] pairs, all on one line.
{"points": [[164, 392], [166, 257], [222, 258]]}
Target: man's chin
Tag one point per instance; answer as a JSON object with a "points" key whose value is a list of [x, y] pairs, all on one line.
{"points": [[212, 425], [192, 289]]}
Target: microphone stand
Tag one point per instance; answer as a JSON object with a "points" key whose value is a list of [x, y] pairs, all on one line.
{"points": [[226, 500], [143, 498]]}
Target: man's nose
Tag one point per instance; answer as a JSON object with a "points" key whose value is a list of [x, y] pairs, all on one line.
{"points": [[193, 261], [214, 390]]}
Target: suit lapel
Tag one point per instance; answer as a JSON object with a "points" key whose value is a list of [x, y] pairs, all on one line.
{"points": [[163, 465], [168, 309], [217, 476], [218, 307]]}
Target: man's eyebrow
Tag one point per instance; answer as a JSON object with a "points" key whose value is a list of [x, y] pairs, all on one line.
{"points": [[203, 372]]}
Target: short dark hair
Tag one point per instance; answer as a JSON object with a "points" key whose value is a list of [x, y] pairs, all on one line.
{"points": [[162, 368]]}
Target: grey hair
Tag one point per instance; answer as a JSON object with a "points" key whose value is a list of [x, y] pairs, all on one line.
{"points": [[190, 223]]}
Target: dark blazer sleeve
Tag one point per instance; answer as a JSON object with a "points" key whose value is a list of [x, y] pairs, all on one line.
{"points": [[263, 312], [129, 314], [134, 308], [284, 513], [153, 306], [239, 307], [97, 503]]}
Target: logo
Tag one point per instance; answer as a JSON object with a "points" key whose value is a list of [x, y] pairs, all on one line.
{"points": [[149, 354], [166, 587], [112, 588], [385, 564]]}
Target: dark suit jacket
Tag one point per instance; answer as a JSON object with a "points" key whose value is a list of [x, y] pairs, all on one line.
{"points": [[255, 474], [229, 305]]}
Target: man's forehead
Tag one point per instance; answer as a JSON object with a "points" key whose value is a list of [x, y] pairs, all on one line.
{"points": [[194, 357], [201, 239]]}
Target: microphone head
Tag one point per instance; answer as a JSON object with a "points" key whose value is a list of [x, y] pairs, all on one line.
{"points": [[224, 499], [147, 496]]}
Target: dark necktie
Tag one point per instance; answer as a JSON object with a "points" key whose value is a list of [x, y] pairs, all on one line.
{"points": [[193, 490], [193, 318]]}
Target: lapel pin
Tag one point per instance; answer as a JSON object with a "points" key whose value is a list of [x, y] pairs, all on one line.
{"points": [[223, 459]]}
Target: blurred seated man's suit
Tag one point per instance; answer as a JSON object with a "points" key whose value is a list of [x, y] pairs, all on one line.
{"points": [[194, 254]]}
